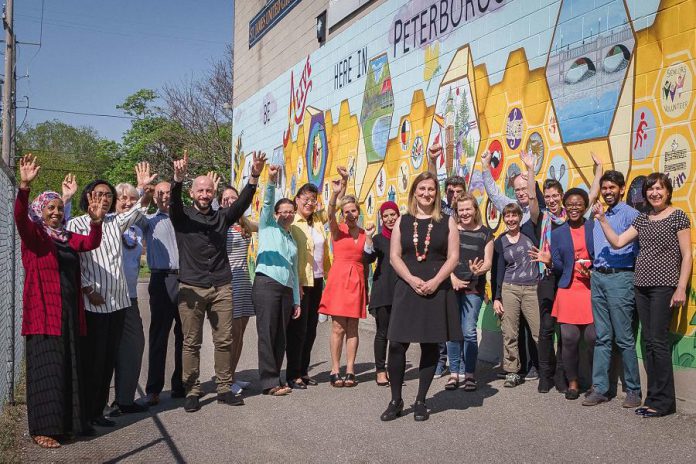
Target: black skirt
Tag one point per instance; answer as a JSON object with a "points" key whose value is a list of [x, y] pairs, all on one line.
{"points": [[54, 399]]}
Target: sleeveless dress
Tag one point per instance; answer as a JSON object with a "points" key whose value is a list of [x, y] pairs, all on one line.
{"points": [[573, 305], [344, 294], [237, 250], [424, 319]]}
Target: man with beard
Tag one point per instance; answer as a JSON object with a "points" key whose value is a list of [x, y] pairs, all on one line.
{"points": [[205, 279], [613, 300]]}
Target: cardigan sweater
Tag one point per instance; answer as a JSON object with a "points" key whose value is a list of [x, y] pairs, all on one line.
{"points": [[498, 271], [42, 303]]}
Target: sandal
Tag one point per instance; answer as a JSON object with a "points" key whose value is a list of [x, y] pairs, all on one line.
{"points": [[45, 442], [336, 380], [452, 383], [350, 381], [382, 384], [277, 391], [469, 384]]}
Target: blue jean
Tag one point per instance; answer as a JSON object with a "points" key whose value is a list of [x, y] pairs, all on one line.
{"points": [[467, 349], [613, 309]]}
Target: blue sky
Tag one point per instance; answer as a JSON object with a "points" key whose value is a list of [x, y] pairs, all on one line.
{"points": [[96, 53]]}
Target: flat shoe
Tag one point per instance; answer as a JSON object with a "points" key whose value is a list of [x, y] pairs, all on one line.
{"points": [[393, 411], [420, 411], [297, 385], [641, 411], [310, 381], [349, 381], [336, 380], [648, 414]]}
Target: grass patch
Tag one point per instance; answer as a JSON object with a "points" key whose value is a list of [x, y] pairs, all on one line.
{"points": [[10, 425]]}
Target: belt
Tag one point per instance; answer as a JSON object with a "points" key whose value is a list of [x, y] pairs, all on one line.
{"points": [[164, 271], [612, 270]]}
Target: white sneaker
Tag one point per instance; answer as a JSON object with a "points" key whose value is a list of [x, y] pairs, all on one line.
{"points": [[242, 384]]}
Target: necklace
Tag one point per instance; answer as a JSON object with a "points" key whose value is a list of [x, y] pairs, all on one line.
{"points": [[421, 257]]}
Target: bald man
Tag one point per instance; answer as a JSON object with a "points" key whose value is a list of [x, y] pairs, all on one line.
{"points": [[205, 279], [163, 261]]}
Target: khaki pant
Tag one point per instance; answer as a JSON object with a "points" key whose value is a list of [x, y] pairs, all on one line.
{"points": [[194, 303], [517, 299]]}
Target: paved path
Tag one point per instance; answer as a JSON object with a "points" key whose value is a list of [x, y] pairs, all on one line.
{"points": [[323, 424]]}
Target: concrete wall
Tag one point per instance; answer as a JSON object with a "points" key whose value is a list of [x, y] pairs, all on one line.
{"points": [[562, 78]]}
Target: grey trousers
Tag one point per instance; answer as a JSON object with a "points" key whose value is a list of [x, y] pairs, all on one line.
{"points": [[129, 357]]}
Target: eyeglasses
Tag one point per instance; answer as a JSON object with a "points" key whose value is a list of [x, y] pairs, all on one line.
{"points": [[108, 195]]}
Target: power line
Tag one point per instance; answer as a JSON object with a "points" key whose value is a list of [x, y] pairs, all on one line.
{"points": [[81, 113]]}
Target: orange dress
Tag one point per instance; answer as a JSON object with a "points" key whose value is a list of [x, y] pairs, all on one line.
{"points": [[573, 305], [344, 294]]}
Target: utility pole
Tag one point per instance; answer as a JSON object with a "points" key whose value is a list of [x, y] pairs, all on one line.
{"points": [[8, 106]]}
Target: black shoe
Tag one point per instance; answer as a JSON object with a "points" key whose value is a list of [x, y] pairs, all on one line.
{"points": [[229, 398], [309, 381], [178, 394], [103, 422], [297, 385], [420, 411], [393, 411], [192, 404], [545, 385], [572, 394], [132, 408], [88, 431]]}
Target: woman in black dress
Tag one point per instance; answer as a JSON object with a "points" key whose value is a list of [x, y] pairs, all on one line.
{"points": [[52, 314], [383, 281], [424, 252]]}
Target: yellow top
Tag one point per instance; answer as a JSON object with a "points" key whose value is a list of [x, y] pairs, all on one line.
{"points": [[305, 246]]}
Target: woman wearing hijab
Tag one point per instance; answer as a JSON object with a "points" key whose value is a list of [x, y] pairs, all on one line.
{"points": [[383, 281], [53, 314]]}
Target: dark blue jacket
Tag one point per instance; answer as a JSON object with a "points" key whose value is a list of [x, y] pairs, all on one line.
{"points": [[498, 270], [563, 251]]}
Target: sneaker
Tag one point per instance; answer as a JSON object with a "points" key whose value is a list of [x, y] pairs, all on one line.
{"points": [[230, 399], [594, 398], [533, 374], [511, 380], [632, 400], [192, 404], [439, 372]]}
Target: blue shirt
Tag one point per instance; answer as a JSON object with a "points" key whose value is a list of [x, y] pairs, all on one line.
{"points": [[277, 255], [162, 252], [620, 217], [132, 250]]}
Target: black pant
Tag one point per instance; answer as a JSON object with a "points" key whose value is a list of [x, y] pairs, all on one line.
{"points": [[302, 332], [99, 350], [655, 316], [164, 311], [381, 315], [273, 306], [571, 334], [550, 364], [430, 352]]}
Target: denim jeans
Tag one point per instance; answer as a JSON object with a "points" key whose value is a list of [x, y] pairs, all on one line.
{"points": [[469, 308], [613, 309]]}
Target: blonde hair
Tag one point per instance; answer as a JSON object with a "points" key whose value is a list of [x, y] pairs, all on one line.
{"points": [[413, 202], [346, 200], [466, 196]]}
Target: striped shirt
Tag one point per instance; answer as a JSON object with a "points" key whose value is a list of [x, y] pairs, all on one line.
{"points": [[102, 268], [237, 253]]}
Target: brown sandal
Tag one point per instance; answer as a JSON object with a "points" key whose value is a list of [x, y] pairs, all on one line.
{"points": [[277, 391], [45, 442]]}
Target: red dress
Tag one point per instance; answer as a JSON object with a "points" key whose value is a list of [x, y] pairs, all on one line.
{"points": [[344, 294], [573, 305]]}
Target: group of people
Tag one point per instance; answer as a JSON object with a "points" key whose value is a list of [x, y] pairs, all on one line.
{"points": [[553, 266]]}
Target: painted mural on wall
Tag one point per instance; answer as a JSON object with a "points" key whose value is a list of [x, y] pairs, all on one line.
{"points": [[559, 78]]}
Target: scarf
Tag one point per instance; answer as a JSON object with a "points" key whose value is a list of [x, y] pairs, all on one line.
{"points": [[59, 234], [385, 206], [545, 242]]}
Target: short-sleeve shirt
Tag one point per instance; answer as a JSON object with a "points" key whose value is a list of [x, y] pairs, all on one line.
{"points": [[659, 261], [519, 267], [472, 244]]}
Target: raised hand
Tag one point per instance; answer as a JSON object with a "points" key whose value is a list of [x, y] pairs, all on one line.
{"points": [[540, 256], [181, 167], [95, 208], [435, 152], [343, 172], [258, 161], [370, 229], [486, 159], [598, 211], [597, 161], [28, 170], [336, 186], [215, 177], [273, 171], [142, 173], [528, 159], [69, 187]]}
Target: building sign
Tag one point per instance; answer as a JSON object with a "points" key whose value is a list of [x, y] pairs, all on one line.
{"points": [[269, 16]]}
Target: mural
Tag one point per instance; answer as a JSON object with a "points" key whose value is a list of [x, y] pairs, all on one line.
{"points": [[577, 76]]}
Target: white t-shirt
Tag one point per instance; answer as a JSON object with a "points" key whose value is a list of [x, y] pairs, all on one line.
{"points": [[318, 264]]}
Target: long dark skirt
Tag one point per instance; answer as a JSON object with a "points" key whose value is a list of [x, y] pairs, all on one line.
{"points": [[54, 400]]}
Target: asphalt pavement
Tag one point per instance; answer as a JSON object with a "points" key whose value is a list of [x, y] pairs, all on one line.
{"points": [[325, 424]]}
